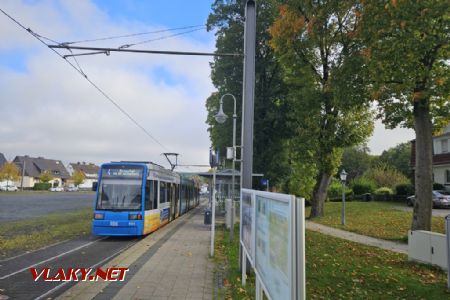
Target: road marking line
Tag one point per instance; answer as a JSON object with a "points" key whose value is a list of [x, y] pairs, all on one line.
{"points": [[51, 258], [51, 291]]}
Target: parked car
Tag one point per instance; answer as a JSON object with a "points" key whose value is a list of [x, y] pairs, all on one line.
{"points": [[71, 188], [56, 189], [10, 188], [440, 199]]}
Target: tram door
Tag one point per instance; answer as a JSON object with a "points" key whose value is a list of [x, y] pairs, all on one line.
{"points": [[177, 200], [173, 201]]}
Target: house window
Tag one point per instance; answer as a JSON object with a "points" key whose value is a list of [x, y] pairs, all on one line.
{"points": [[444, 146], [447, 176]]}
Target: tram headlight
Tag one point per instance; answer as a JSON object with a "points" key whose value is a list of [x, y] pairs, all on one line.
{"points": [[99, 216], [134, 217]]}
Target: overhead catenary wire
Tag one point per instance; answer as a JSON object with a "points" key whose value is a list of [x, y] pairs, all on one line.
{"points": [[40, 38], [159, 39], [133, 34]]}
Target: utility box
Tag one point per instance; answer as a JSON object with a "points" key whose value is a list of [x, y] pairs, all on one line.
{"points": [[207, 219], [428, 247]]}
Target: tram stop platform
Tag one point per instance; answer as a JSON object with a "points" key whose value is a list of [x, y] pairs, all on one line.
{"points": [[171, 263]]}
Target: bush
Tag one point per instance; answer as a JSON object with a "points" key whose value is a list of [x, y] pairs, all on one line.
{"points": [[404, 189], [42, 186], [335, 189], [362, 186], [384, 191], [385, 176], [438, 186]]}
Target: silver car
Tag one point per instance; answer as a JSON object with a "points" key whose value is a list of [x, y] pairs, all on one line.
{"points": [[440, 199]]}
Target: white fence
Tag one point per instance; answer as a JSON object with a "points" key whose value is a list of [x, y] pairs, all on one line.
{"points": [[273, 240]]}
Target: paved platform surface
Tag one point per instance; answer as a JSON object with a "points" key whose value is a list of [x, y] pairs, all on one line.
{"points": [[367, 240], [171, 263]]}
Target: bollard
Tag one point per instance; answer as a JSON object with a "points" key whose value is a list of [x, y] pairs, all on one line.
{"points": [[228, 213]]}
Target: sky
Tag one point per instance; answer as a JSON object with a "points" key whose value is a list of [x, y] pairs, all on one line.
{"points": [[48, 109]]}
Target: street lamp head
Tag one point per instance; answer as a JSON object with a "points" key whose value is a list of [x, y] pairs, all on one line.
{"points": [[221, 117], [343, 175]]}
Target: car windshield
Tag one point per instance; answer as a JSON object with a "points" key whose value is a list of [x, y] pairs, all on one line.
{"points": [[120, 194], [442, 193]]}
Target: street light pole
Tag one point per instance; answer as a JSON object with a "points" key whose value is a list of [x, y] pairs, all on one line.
{"points": [[221, 117], [343, 176]]}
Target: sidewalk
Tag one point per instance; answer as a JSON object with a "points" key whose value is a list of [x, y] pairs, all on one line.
{"points": [[358, 238], [171, 263]]}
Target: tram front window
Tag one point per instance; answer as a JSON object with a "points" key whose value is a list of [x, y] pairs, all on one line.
{"points": [[117, 194]]}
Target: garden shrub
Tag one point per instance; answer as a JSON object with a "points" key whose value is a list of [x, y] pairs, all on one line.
{"points": [[404, 189], [42, 186], [362, 186], [384, 191], [335, 189], [438, 186], [385, 176]]}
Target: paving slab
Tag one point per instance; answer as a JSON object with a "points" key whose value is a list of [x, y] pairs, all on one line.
{"points": [[171, 263]]}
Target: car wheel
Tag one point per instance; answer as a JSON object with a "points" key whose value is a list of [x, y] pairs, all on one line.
{"points": [[409, 202]]}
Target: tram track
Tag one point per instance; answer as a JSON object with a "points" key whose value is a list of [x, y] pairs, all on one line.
{"points": [[16, 281]]}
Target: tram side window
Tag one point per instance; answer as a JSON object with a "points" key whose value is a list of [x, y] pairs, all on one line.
{"points": [[148, 196], [162, 192]]}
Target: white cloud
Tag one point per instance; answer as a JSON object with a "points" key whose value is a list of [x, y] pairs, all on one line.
{"points": [[49, 110]]}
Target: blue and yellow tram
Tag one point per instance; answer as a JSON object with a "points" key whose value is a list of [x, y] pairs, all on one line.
{"points": [[136, 198]]}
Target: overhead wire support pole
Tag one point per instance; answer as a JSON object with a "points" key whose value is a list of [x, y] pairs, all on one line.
{"points": [[100, 49]]}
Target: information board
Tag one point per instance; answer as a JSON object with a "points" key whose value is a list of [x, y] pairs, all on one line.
{"points": [[273, 239], [273, 245]]}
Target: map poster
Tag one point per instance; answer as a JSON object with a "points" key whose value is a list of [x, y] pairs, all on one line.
{"points": [[273, 245]]}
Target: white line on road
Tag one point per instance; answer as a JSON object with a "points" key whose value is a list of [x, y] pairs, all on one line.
{"points": [[51, 258]]}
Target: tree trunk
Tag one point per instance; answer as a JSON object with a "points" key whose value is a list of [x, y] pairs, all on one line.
{"points": [[320, 194], [424, 169]]}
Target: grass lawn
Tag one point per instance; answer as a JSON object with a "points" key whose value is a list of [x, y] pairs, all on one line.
{"points": [[226, 256], [339, 269], [375, 219], [26, 235]]}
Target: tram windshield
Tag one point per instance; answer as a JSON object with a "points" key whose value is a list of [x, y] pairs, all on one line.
{"points": [[120, 189]]}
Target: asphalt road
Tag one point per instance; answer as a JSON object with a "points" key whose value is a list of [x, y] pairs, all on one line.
{"points": [[436, 212], [16, 280], [19, 206]]}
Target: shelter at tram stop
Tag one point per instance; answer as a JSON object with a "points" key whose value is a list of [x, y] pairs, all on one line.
{"points": [[224, 183]]}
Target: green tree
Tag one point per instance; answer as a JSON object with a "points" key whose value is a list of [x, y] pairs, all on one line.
{"points": [[407, 55], [9, 172], [356, 160], [226, 73], [398, 157], [45, 176], [78, 177], [329, 110]]}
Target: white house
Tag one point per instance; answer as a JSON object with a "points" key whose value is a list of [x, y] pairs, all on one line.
{"points": [[441, 158], [90, 172], [35, 166]]}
